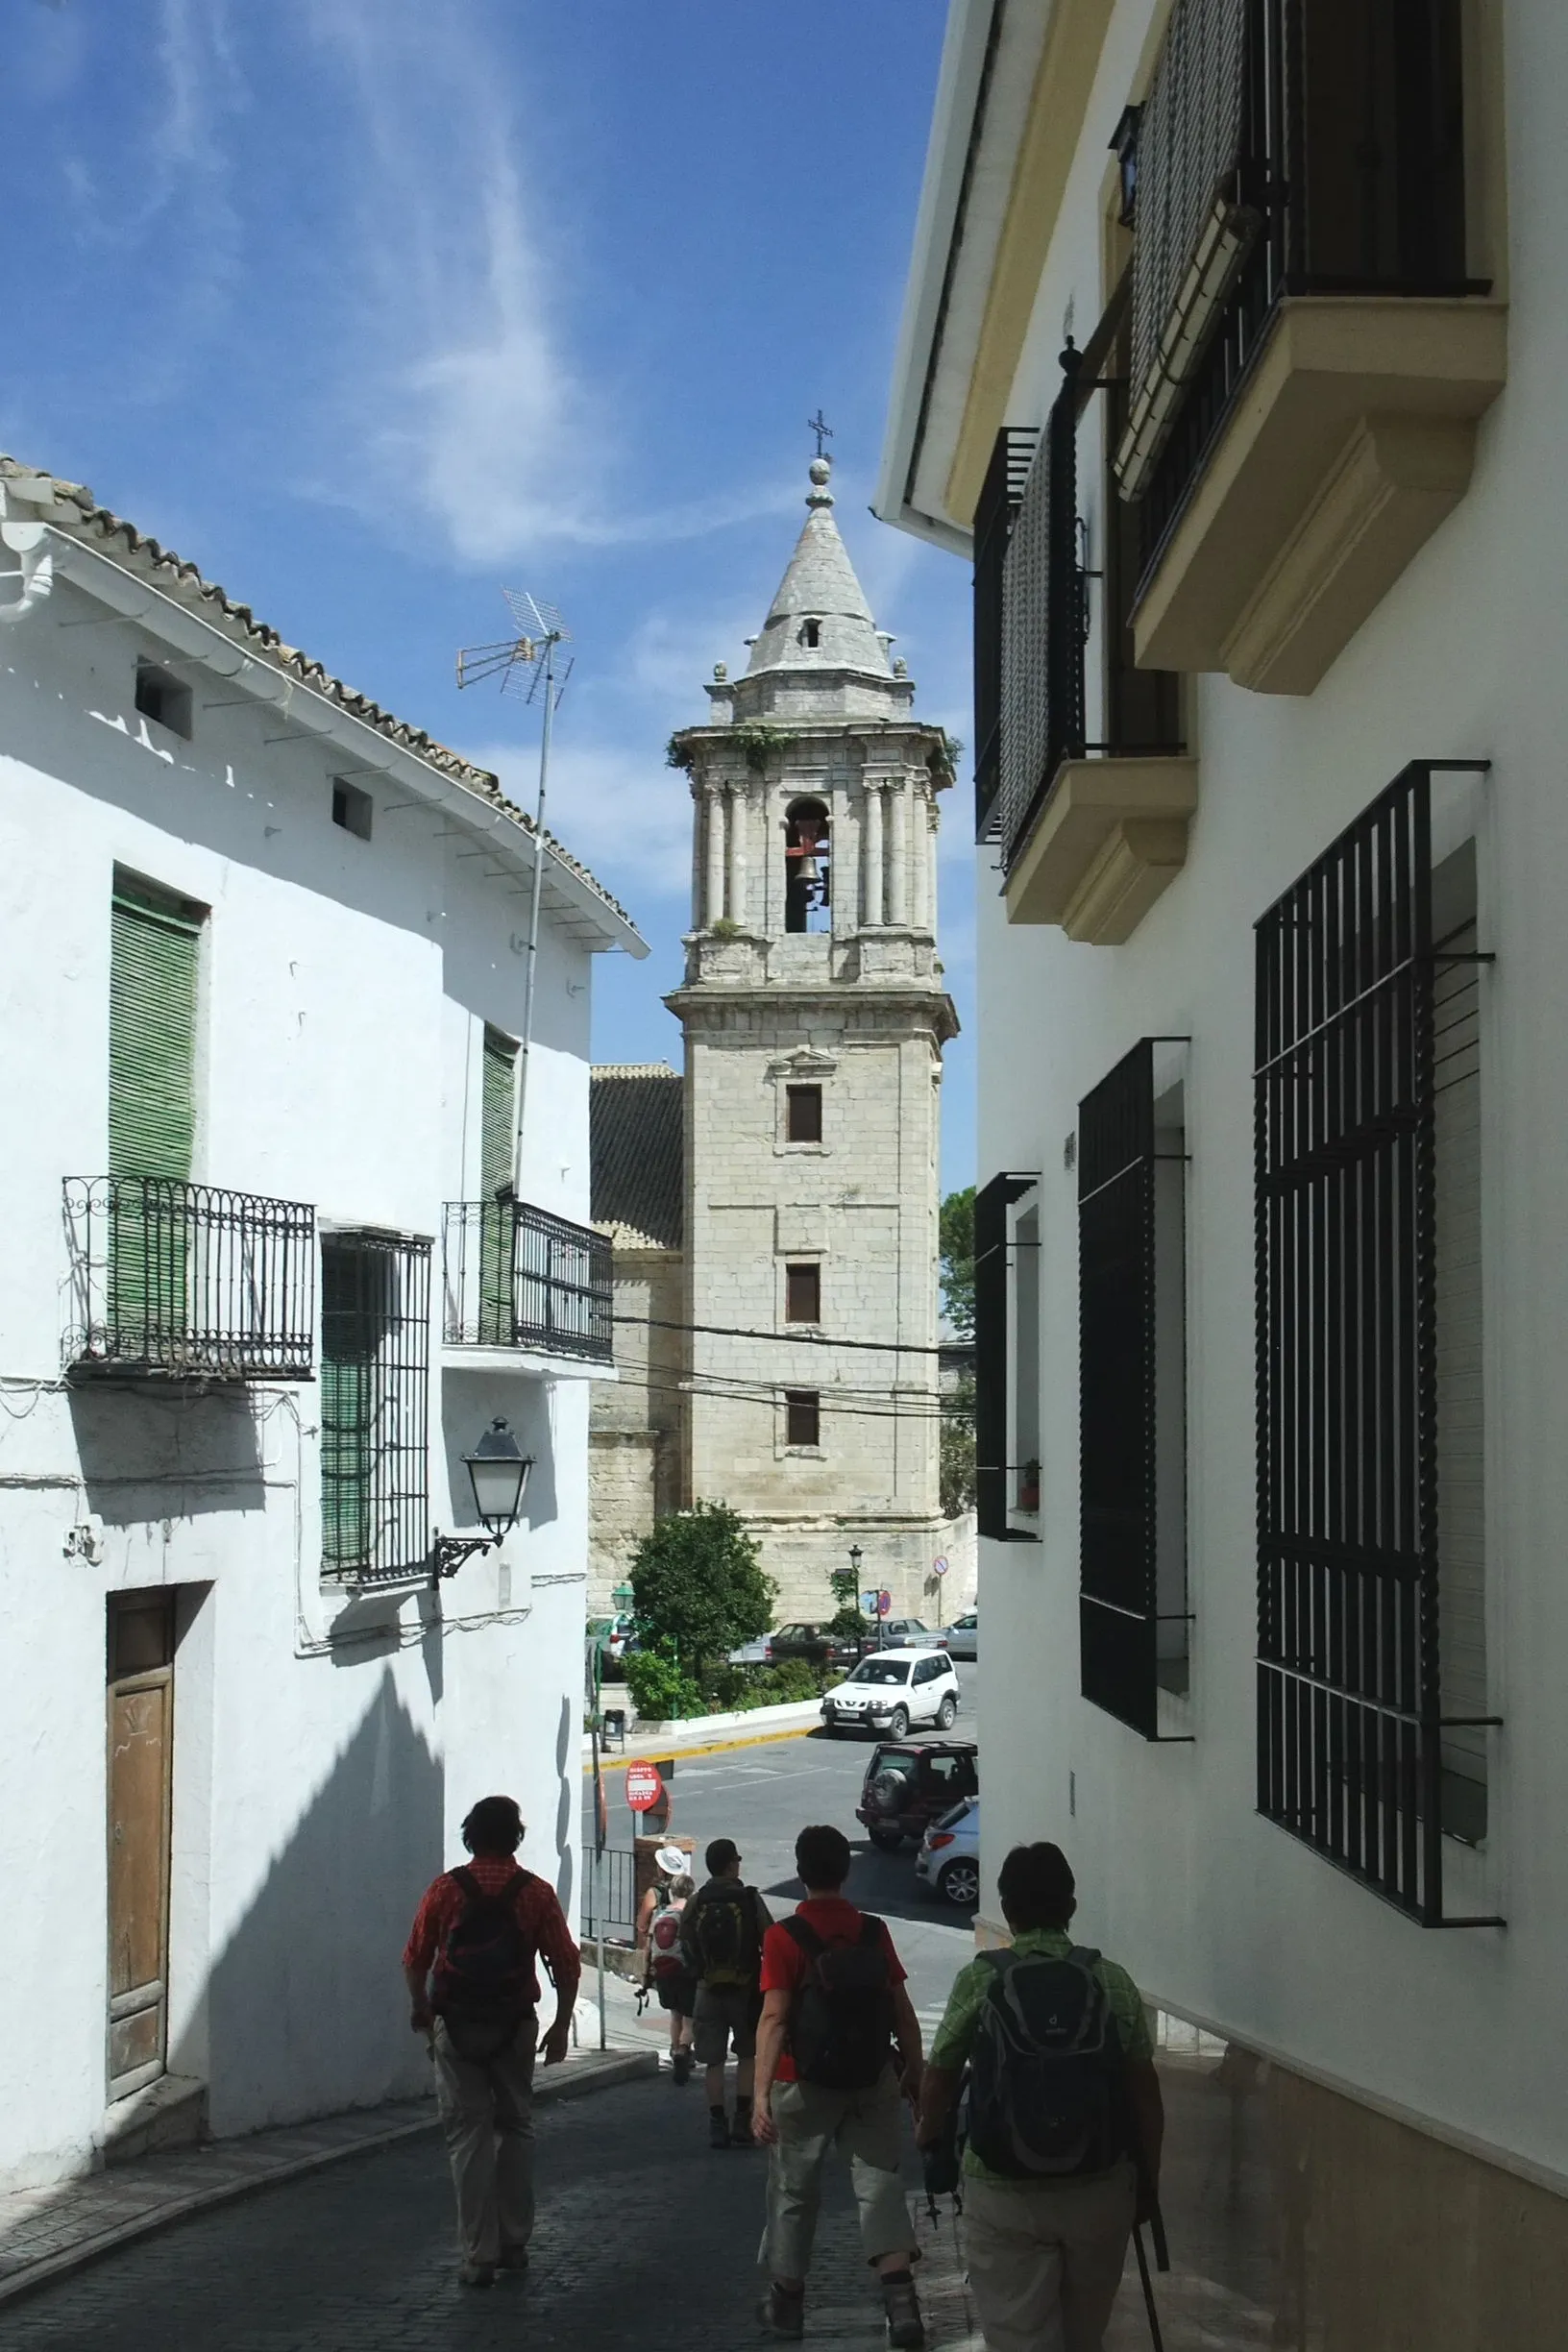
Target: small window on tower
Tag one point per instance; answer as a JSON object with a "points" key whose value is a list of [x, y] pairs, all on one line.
{"points": [[803, 1294], [802, 1418], [803, 1113], [351, 809], [163, 699], [811, 633]]}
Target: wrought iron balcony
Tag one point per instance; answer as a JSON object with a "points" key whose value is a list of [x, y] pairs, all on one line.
{"points": [[188, 1282], [517, 1277]]}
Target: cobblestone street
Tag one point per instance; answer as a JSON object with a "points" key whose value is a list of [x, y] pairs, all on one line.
{"points": [[645, 2236]]}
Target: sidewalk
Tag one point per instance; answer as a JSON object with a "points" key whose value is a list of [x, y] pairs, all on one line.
{"points": [[709, 1735], [45, 2233]]}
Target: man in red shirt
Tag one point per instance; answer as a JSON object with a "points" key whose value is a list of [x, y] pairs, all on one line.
{"points": [[481, 1929], [833, 2004]]}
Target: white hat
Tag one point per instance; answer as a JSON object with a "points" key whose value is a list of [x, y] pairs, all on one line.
{"points": [[674, 1860]]}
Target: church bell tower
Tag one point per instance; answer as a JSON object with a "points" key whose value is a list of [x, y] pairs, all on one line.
{"points": [[814, 1018]]}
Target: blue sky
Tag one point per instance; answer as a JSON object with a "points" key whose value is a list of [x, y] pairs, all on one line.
{"points": [[371, 306]]}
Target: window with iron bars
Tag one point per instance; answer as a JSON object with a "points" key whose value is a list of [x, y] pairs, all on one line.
{"points": [[1134, 1619], [374, 1406], [1371, 1738], [1004, 1342]]}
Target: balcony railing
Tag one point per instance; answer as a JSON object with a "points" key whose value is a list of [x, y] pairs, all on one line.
{"points": [[517, 1277], [1289, 147], [188, 1282]]}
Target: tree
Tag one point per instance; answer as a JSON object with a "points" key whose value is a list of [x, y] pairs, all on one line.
{"points": [[699, 1588], [955, 1247], [846, 1619], [956, 1460]]}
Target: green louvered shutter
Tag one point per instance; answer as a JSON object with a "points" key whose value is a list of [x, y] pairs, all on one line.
{"points": [[351, 1332], [495, 1142], [152, 1123], [152, 1038]]}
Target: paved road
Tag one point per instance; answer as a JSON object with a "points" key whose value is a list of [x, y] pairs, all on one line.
{"points": [[646, 2242], [762, 1795]]}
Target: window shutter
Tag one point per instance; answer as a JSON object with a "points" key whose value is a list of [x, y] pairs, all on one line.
{"points": [[152, 1038], [992, 1319], [1041, 718], [497, 1113]]}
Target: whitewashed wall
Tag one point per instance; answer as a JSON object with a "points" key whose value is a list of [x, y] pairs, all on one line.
{"points": [[1215, 1911], [324, 1750]]}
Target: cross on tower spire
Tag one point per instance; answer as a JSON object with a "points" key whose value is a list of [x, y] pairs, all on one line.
{"points": [[820, 426]]}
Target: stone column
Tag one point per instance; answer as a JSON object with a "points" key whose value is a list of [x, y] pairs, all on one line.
{"points": [[870, 907], [735, 888], [898, 857], [714, 896], [919, 861]]}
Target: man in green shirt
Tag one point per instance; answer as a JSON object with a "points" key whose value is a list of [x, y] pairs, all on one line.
{"points": [[1045, 2252]]}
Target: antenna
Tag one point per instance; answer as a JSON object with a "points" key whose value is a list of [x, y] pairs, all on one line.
{"points": [[525, 665]]}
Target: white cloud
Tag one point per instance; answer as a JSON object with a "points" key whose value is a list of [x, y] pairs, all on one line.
{"points": [[624, 813]]}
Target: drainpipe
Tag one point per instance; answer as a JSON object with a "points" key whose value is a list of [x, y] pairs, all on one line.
{"points": [[30, 541]]}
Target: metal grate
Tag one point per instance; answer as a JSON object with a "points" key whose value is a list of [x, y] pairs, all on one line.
{"points": [[1042, 628], [1345, 176], [1124, 1622], [374, 1406], [1000, 496], [993, 1325], [517, 1277], [189, 1281], [1350, 1710]]}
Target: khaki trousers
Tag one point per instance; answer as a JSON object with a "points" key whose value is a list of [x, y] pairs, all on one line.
{"points": [[1045, 2259], [487, 2115], [865, 2124]]}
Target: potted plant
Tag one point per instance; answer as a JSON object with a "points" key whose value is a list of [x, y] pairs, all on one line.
{"points": [[1029, 1488]]}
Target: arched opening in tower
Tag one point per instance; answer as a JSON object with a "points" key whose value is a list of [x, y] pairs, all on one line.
{"points": [[806, 864]]}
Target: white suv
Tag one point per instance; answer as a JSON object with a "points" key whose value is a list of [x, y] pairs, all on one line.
{"points": [[892, 1690]]}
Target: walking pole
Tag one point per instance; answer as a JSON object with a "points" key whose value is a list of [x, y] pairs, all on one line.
{"points": [[1148, 2283]]}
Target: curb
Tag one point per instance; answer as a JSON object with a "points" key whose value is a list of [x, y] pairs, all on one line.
{"points": [[657, 1749], [597, 2071]]}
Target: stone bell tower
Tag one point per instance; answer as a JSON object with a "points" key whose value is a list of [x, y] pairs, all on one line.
{"points": [[815, 1017]]}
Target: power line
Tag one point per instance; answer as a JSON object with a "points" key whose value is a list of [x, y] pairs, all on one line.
{"points": [[736, 1331]]}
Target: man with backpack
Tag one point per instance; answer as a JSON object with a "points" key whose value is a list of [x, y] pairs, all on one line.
{"points": [[834, 2005], [1064, 2118], [720, 1937], [470, 1965]]}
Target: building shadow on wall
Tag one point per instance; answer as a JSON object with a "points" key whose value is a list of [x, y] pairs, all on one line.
{"points": [[305, 2011], [201, 1452]]}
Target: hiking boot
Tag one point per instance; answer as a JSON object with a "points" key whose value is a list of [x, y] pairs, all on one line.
{"points": [[477, 2274], [739, 2131], [718, 2127], [902, 2305], [680, 2065], [513, 2258], [783, 2314]]}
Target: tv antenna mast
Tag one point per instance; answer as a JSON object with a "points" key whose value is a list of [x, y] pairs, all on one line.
{"points": [[525, 665]]}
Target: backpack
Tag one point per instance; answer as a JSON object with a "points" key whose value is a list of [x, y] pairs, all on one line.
{"points": [[484, 1965], [840, 2019], [665, 1958], [1046, 2091], [721, 1930]]}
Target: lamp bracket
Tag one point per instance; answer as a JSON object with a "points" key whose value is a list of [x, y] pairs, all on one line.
{"points": [[448, 1553]]}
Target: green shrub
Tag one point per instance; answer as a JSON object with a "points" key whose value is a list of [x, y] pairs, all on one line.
{"points": [[660, 1692], [793, 1678]]}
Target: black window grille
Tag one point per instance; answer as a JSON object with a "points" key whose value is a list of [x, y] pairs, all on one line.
{"points": [[189, 1281], [1133, 1614], [997, 1474], [517, 1277], [1043, 627], [1000, 496], [1351, 1726], [1288, 147], [374, 1406]]}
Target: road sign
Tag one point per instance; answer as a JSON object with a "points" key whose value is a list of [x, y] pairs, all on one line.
{"points": [[644, 1786], [867, 1604], [884, 1602], [939, 1566]]}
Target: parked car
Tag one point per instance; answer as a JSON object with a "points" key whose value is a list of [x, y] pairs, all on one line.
{"points": [[901, 1633], [613, 1635], [910, 1784], [948, 1861], [890, 1689], [961, 1638], [815, 1643]]}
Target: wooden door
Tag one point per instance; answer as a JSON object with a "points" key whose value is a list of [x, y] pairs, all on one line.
{"points": [[140, 1760]]}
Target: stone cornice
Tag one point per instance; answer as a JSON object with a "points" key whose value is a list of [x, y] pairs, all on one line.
{"points": [[860, 1003]]}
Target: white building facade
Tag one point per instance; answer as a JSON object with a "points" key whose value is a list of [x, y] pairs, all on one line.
{"points": [[1229, 363], [276, 1263]]}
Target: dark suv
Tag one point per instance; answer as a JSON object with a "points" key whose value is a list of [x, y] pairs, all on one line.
{"points": [[909, 1782], [818, 1644]]}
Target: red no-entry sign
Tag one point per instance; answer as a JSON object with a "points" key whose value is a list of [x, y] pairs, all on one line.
{"points": [[644, 1786]]}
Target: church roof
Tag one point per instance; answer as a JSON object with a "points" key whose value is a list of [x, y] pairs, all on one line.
{"points": [[636, 1152], [820, 586]]}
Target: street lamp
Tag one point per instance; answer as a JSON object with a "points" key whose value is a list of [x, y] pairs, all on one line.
{"points": [[856, 1556], [498, 1471]]}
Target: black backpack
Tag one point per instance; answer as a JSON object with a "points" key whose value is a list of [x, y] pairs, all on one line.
{"points": [[484, 1968], [1048, 2096], [720, 1927], [840, 2020]]}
